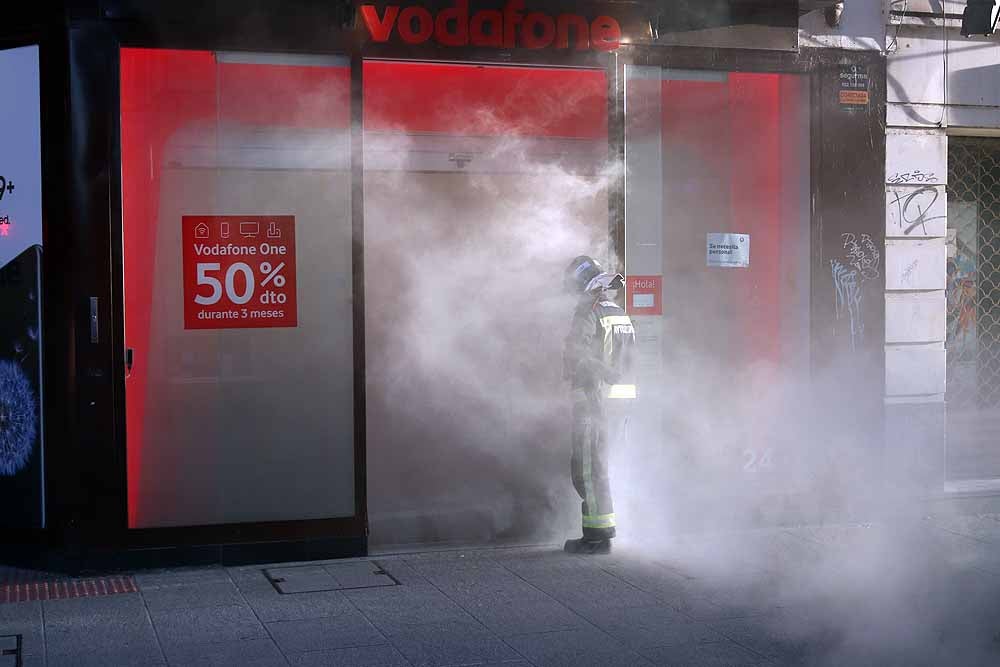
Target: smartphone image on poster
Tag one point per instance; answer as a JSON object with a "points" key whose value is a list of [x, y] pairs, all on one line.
{"points": [[22, 458]]}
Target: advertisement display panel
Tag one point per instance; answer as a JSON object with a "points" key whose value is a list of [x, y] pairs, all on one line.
{"points": [[22, 462]]}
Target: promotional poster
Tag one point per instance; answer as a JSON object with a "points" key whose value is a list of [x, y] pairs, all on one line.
{"points": [[22, 459]]}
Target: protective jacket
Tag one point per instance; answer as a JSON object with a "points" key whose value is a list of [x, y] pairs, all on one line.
{"points": [[599, 348]]}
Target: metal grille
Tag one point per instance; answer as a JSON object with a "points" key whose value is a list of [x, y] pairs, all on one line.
{"points": [[973, 340]]}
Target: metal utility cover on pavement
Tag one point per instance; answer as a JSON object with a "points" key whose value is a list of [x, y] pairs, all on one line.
{"points": [[10, 650], [329, 577]]}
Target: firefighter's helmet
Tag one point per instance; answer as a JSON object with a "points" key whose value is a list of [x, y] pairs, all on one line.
{"points": [[585, 275], [580, 272]]}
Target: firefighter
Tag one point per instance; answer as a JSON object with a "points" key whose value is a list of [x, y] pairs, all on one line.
{"points": [[597, 364]]}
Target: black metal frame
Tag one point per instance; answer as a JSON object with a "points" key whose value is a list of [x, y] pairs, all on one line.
{"points": [[85, 418]]}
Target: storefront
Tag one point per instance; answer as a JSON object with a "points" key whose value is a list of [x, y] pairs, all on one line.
{"points": [[301, 265]]}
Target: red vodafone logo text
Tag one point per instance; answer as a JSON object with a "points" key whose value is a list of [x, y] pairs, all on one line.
{"points": [[508, 28]]}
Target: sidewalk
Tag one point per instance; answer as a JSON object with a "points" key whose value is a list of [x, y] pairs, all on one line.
{"points": [[928, 593]]}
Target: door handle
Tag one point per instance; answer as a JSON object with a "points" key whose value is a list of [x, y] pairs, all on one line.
{"points": [[94, 326]]}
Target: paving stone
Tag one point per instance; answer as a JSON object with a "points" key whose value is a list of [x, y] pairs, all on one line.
{"points": [[125, 606], [782, 636], [597, 589], [318, 634], [652, 626], [178, 576], [482, 570], [117, 656], [656, 580], [94, 631], [701, 609], [25, 619], [716, 654], [206, 625], [189, 596], [273, 606], [454, 643], [246, 574], [246, 653], [404, 605], [575, 648], [82, 633], [358, 656], [505, 618]]}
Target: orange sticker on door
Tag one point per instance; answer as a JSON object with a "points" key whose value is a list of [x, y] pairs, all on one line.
{"points": [[239, 271]]}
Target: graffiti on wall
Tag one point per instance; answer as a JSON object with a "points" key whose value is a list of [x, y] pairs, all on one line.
{"points": [[910, 211], [861, 262]]}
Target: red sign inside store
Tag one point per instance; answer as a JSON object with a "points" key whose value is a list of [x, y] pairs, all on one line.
{"points": [[644, 295], [510, 27], [239, 271]]}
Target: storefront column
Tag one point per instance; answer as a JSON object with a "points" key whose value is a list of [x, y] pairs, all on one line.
{"points": [[644, 232], [915, 316]]}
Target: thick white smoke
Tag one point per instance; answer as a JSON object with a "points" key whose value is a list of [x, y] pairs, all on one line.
{"points": [[469, 426]]}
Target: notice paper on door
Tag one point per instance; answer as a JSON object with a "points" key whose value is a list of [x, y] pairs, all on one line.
{"points": [[728, 250]]}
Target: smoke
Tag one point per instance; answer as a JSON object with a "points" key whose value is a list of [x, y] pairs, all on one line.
{"points": [[466, 318], [469, 424]]}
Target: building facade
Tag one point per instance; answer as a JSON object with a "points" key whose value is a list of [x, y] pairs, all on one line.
{"points": [[296, 269], [941, 148]]}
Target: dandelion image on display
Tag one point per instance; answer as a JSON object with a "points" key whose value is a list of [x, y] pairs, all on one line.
{"points": [[17, 419]]}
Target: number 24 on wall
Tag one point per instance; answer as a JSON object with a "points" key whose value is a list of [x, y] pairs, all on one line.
{"points": [[755, 460]]}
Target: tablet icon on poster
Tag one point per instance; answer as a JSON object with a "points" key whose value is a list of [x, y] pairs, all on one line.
{"points": [[224, 230]]}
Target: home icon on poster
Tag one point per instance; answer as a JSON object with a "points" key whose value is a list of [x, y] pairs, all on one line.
{"points": [[201, 231]]}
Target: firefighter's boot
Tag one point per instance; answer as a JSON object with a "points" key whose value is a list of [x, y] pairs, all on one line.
{"points": [[587, 547]]}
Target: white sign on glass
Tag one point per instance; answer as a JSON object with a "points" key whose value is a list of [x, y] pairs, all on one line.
{"points": [[728, 250]]}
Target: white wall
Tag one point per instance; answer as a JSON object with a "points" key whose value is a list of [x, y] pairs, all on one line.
{"points": [[936, 77], [938, 83], [862, 26]]}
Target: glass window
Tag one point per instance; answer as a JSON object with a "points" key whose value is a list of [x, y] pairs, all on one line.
{"points": [[717, 252], [482, 182], [238, 287]]}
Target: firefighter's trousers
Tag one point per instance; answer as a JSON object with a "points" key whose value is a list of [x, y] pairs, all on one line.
{"points": [[596, 421]]}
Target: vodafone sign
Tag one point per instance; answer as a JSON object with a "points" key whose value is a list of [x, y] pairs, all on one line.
{"points": [[507, 28]]}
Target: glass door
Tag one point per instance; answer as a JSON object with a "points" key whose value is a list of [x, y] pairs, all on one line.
{"points": [[718, 259], [482, 182], [237, 233]]}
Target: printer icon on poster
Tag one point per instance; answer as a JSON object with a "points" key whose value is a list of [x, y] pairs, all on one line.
{"points": [[728, 250]]}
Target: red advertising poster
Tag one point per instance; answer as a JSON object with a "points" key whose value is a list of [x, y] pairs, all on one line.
{"points": [[644, 295], [239, 271]]}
